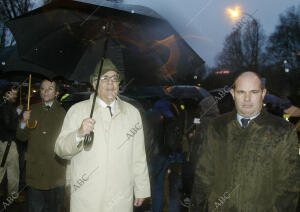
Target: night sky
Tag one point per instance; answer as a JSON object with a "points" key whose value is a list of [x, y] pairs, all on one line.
{"points": [[205, 23]]}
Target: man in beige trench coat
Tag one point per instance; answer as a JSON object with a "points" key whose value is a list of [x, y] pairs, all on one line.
{"points": [[114, 171]]}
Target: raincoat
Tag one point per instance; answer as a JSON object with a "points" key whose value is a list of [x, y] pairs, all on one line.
{"points": [[105, 178]]}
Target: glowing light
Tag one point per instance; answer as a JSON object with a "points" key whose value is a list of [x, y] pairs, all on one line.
{"points": [[168, 89], [286, 116], [234, 13], [223, 72]]}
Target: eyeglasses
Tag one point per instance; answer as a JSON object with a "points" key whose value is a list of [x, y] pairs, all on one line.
{"points": [[106, 79]]}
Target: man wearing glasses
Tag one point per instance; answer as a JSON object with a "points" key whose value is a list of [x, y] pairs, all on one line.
{"points": [[114, 169]]}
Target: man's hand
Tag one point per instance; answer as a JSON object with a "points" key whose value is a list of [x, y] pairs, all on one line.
{"points": [[26, 115], [138, 202], [86, 127], [192, 134], [20, 107]]}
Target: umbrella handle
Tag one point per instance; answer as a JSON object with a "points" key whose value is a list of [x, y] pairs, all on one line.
{"points": [[28, 105], [88, 141], [29, 92], [33, 126]]}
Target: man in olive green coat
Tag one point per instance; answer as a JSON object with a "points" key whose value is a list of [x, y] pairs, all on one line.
{"points": [[250, 159], [45, 171]]}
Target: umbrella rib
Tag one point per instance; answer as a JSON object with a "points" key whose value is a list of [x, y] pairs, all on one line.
{"points": [[47, 74], [90, 16]]}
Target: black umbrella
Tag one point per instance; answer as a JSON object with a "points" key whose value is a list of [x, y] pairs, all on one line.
{"points": [[272, 99], [188, 92], [11, 62], [275, 104], [68, 38], [147, 92]]}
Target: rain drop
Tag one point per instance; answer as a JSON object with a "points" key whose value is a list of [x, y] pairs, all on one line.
{"points": [[3, 63]]}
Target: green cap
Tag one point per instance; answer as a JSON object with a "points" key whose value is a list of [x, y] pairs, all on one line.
{"points": [[107, 66]]}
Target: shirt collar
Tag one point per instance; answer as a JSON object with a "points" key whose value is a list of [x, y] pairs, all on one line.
{"points": [[49, 104], [239, 117], [104, 105]]}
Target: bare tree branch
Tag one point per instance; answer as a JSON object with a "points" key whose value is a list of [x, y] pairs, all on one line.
{"points": [[284, 42], [6, 10], [10, 9], [13, 9], [242, 48]]}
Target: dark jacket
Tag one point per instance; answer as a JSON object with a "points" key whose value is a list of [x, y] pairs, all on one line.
{"points": [[44, 169], [251, 169], [8, 121]]}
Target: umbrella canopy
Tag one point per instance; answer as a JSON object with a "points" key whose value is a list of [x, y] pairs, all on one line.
{"points": [[11, 62], [68, 37], [73, 98], [70, 99], [270, 98], [188, 92], [77, 97], [276, 101], [146, 92]]}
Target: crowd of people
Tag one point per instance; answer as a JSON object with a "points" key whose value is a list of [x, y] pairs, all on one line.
{"points": [[179, 153]]}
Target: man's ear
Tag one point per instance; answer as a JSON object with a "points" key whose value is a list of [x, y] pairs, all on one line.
{"points": [[264, 92], [232, 92], [56, 94], [94, 85]]}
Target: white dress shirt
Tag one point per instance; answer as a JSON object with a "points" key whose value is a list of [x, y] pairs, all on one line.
{"points": [[240, 117]]}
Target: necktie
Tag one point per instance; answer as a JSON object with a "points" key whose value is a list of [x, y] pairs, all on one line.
{"points": [[47, 107], [109, 107], [245, 122]]}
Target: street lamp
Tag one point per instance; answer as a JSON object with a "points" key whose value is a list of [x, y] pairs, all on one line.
{"points": [[237, 13], [234, 13]]}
